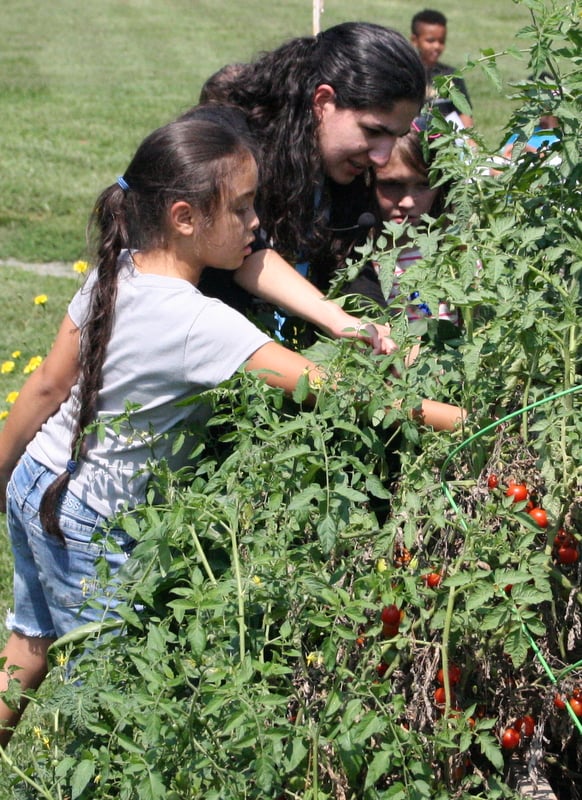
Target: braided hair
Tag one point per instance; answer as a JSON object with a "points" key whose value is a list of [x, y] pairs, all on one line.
{"points": [[188, 160]]}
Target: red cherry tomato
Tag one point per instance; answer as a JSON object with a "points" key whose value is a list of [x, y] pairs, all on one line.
{"points": [[455, 673], [563, 538], [576, 706], [518, 491], [558, 702], [432, 579], [510, 739], [539, 516], [567, 555], [381, 669], [390, 615], [440, 696], [389, 631], [493, 481], [525, 725]]}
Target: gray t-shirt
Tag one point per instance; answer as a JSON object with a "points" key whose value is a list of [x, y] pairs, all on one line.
{"points": [[168, 343]]}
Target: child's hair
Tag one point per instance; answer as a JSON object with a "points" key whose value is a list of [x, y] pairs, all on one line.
{"points": [[417, 156], [188, 160], [215, 88], [368, 66], [427, 17]]}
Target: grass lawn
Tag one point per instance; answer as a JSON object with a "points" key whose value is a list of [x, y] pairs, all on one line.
{"points": [[82, 83]]}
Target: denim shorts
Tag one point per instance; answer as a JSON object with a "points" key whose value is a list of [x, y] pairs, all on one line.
{"points": [[54, 579]]}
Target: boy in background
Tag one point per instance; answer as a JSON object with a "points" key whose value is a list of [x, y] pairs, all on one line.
{"points": [[429, 36]]}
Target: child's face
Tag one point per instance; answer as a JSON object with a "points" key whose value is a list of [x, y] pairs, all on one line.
{"points": [[430, 41], [350, 141], [402, 192], [227, 242]]}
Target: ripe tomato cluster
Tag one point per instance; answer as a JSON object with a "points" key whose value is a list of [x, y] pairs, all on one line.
{"points": [[565, 548], [575, 701], [523, 727], [454, 673], [391, 617]]}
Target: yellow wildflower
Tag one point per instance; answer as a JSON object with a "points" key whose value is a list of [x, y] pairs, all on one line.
{"points": [[37, 731], [256, 580], [33, 363], [46, 741], [3, 415], [81, 267], [11, 397], [40, 299], [7, 366], [16, 354], [62, 659]]}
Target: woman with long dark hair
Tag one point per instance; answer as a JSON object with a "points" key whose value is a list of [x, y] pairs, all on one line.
{"points": [[323, 111]]}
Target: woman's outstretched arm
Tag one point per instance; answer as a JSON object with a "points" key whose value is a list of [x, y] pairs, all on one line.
{"points": [[267, 275]]}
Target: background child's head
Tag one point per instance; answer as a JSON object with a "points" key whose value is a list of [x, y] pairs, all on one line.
{"points": [[403, 187], [429, 35]]}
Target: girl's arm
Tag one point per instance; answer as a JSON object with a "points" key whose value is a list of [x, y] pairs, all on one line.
{"points": [[281, 367], [267, 275], [39, 398]]}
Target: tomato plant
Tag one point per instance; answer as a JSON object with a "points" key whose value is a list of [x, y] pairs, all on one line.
{"points": [[493, 481]]}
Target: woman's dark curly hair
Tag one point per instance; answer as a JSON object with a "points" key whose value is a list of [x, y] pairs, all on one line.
{"points": [[368, 66]]}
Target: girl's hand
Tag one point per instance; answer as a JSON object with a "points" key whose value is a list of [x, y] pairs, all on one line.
{"points": [[378, 337]]}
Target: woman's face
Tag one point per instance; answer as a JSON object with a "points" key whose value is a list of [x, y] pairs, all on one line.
{"points": [[403, 193], [351, 141]]}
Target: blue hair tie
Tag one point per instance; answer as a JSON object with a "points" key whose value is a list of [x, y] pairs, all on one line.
{"points": [[123, 183], [71, 466]]}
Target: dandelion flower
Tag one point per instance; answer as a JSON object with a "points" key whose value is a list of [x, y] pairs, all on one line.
{"points": [[33, 363], [81, 267], [16, 354], [7, 366], [11, 397], [3, 415], [40, 299]]}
